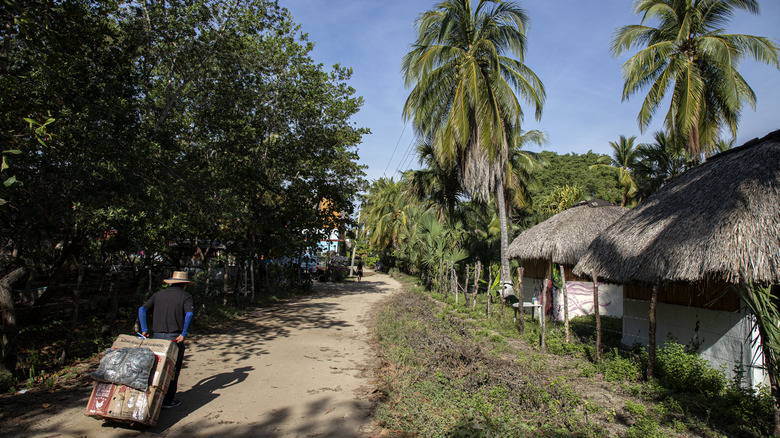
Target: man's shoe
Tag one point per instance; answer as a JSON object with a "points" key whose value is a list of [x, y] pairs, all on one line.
{"points": [[172, 405]]}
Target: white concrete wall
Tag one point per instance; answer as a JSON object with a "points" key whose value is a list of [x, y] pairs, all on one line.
{"points": [[580, 297], [725, 338]]}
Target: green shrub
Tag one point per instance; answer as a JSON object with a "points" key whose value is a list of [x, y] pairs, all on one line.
{"points": [[645, 426], [6, 381], [587, 369], [618, 369], [679, 371]]}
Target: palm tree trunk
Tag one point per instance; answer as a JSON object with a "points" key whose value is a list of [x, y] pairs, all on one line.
{"points": [[505, 274]]}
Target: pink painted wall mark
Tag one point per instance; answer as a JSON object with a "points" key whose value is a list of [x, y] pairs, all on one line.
{"points": [[580, 300]]}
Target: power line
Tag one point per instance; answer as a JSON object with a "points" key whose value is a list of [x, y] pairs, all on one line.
{"points": [[406, 154], [394, 149]]}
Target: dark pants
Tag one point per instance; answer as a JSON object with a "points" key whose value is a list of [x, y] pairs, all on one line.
{"points": [[177, 368]]}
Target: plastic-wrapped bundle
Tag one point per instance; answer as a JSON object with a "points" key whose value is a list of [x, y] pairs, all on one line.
{"points": [[129, 366]]}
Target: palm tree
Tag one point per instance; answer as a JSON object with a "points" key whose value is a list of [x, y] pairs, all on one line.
{"points": [[437, 182], [384, 212], [522, 177], [624, 157], [659, 162], [689, 52], [463, 91]]}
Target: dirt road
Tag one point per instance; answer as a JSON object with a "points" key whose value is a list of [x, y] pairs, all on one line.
{"points": [[297, 369]]}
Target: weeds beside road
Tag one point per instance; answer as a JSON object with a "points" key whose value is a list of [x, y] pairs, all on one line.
{"points": [[449, 371]]}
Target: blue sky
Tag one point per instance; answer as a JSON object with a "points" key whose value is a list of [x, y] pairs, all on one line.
{"points": [[568, 48]]}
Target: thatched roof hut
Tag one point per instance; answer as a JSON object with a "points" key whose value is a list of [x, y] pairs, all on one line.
{"points": [[564, 237], [717, 221]]}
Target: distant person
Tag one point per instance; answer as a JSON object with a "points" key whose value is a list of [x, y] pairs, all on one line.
{"points": [[360, 269], [172, 313]]}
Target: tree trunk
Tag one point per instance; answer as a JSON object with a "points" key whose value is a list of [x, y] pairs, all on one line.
{"points": [[502, 215], [225, 283], [246, 282], [150, 289], [466, 286], [520, 297], [651, 334], [8, 354], [237, 285], [597, 313], [30, 294], [565, 305], [252, 276], [113, 306], [61, 269], [74, 317], [354, 248]]}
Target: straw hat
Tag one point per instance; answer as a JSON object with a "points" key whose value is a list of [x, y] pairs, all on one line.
{"points": [[178, 278]]}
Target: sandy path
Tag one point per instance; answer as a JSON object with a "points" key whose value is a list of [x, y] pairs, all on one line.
{"points": [[293, 370]]}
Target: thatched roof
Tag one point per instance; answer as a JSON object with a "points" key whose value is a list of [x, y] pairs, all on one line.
{"points": [[719, 220], [565, 236]]}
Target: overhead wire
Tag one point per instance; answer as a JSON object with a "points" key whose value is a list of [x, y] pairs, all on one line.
{"points": [[408, 154], [394, 149]]}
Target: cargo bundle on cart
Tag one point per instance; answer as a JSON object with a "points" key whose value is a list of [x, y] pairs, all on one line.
{"points": [[132, 379]]}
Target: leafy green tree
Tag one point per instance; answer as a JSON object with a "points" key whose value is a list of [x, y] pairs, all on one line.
{"points": [[168, 124], [561, 199], [463, 92], [690, 53], [624, 157], [576, 170]]}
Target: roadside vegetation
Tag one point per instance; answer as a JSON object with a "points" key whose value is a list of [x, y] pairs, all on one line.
{"points": [[145, 137], [450, 371]]}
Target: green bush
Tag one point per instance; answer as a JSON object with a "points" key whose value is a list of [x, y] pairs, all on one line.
{"points": [[679, 371], [618, 369]]}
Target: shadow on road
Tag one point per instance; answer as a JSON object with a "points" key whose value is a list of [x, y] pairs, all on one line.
{"points": [[201, 394], [234, 342], [246, 337]]}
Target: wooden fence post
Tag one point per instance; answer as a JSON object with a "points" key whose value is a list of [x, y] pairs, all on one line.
{"points": [[651, 334], [489, 294], [543, 313], [565, 304], [597, 313], [477, 273], [454, 282], [466, 286], [438, 287], [520, 297]]}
